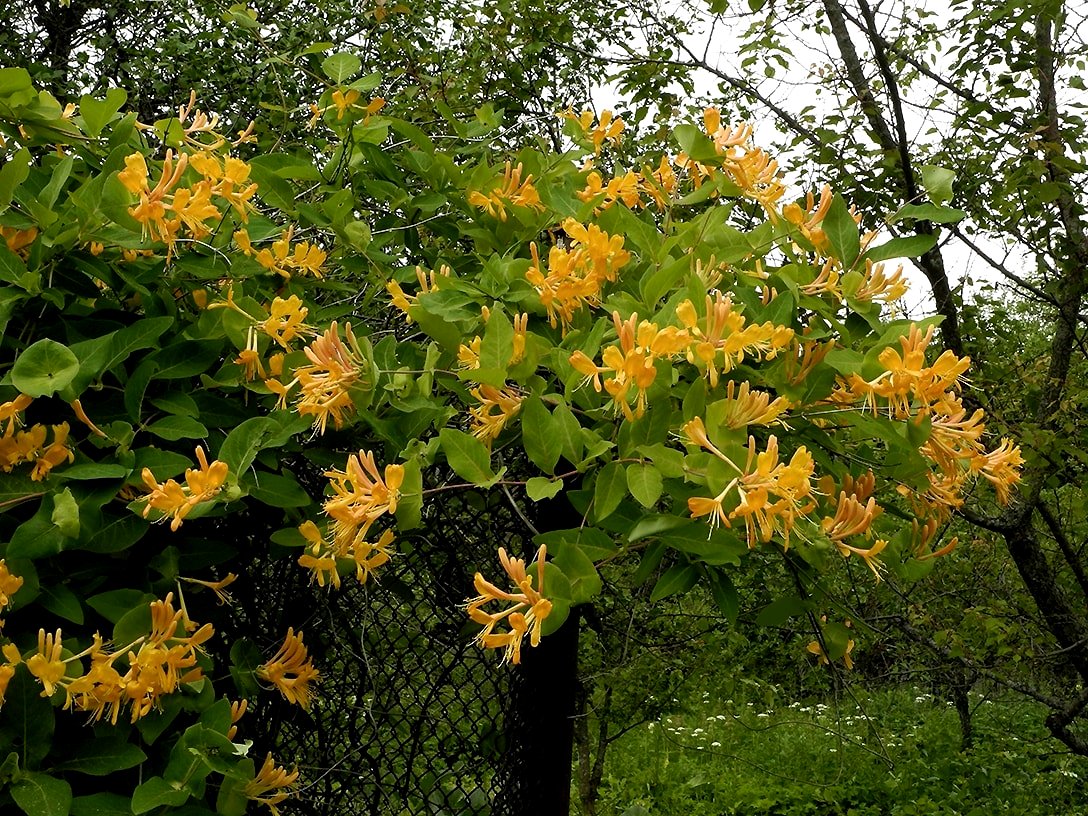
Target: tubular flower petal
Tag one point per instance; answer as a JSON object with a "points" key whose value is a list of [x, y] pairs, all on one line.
{"points": [[291, 671], [272, 785], [174, 500], [529, 607]]}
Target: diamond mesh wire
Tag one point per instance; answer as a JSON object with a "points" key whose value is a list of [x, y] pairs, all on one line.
{"points": [[411, 715]]}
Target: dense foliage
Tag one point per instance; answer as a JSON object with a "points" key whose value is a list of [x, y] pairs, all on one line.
{"points": [[190, 333]]}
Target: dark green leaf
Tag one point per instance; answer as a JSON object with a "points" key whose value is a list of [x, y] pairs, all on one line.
{"points": [[676, 580], [467, 455], [609, 490], [39, 794], [842, 232]]}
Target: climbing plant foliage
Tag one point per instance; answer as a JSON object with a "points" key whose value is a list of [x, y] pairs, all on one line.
{"points": [[195, 324]]}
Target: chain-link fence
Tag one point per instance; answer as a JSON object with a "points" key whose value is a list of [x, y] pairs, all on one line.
{"points": [[411, 716]]}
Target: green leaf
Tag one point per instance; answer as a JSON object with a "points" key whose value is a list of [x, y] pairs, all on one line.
{"points": [[410, 507], [117, 603], [497, 344], [157, 792], [140, 335], [725, 595], [909, 246], [279, 491], [538, 432], [568, 434], [38, 537], [48, 196], [938, 184], [842, 232], [177, 427], [609, 490], [594, 542], [468, 456], [117, 535], [778, 612], [676, 580], [103, 756], [102, 804], [66, 513], [928, 212], [585, 583], [645, 483], [539, 488], [44, 368], [89, 471], [340, 67], [694, 141], [97, 113], [61, 601], [13, 173], [243, 444], [39, 794]]}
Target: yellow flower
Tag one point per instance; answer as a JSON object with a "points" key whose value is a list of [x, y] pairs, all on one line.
{"points": [[749, 407], [218, 587], [512, 190], [815, 648], [237, 710], [321, 555], [171, 499], [286, 321], [57, 453], [9, 584], [326, 382], [291, 671], [272, 785], [527, 614], [46, 663], [361, 495], [496, 408], [608, 128]]}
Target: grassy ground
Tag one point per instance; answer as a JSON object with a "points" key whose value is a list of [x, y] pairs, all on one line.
{"points": [[893, 753]]}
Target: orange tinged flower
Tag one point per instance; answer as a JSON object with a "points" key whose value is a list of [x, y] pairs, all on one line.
{"points": [[526, 615], [272, 785], [291, 671]]}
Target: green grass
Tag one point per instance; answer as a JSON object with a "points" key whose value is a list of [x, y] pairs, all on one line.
{"points": [[895, 754]]}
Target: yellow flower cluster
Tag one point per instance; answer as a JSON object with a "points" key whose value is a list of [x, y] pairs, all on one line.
{"points": [[631, 363], [325, 382], [19, 447], [722, 338], [575, 276], [427, 284], [272, 785], [323, 554], [747, 166], [911, 389], [633, 189], [305, 258], [526, 615], [717, 343], [360, 496], [770, 494], [512, 190], [608, 127], [170, 209], [344, 102], [855, 511], [175, 500], [497, 407], [291, 671], [165, 659]]}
